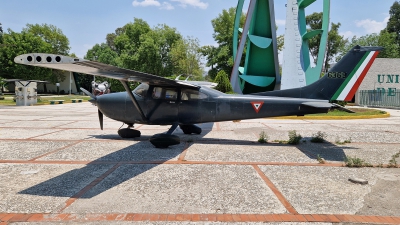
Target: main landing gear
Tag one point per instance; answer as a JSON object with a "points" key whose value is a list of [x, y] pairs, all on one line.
{"points": [[161, 140], [128, 132], [168, 139]]}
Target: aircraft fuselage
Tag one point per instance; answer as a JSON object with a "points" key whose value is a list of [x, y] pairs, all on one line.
{"points": [[170, 105]]}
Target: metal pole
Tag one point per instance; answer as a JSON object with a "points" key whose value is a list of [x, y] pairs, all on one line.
{"points": [[70, 81]]}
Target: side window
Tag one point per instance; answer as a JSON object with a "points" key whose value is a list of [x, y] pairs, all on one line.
{"points": [[157, 92], [165, 93], [171, 94], [188, 94]]}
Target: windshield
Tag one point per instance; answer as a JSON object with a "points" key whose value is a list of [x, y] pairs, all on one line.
{"points": [[142, 89]]}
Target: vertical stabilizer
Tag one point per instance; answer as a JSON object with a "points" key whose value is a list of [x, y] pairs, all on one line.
{"points": [[340, 82]]}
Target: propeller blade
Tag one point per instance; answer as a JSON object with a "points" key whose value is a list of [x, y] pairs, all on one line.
{"points": [[100, 118], [88, 93]]}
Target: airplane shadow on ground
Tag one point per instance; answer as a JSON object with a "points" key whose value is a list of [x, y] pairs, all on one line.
{"points": [[326, 150], [143, 155]]}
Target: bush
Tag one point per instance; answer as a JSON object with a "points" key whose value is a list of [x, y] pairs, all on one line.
{"points": [[263, 137], [294, 138], [356, 162], [224, 85], [319, 137]]}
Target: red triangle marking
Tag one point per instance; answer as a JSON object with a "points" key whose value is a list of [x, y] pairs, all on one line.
{"points": [[257, 106]]}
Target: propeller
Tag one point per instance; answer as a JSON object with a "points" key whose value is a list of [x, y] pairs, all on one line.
{"points": [[88, 93], [93, 100], [100, 118]]}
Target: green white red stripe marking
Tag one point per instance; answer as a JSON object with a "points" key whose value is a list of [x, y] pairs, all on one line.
{"points": [[350, 86]]}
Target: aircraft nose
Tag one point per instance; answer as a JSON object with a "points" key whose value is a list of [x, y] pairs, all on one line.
{"points": [[93, 101]]}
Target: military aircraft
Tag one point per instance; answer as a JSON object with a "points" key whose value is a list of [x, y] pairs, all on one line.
{"points": [[161, 101]]}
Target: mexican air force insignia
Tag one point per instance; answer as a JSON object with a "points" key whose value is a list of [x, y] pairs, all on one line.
{"points": [[257, 106]]}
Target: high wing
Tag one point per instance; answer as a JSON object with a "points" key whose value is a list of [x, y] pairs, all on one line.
{"points": [[95, 68]]}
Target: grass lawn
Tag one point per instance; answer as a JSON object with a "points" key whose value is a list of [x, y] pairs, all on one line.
{"points": [[44, 100], [358, 112]]}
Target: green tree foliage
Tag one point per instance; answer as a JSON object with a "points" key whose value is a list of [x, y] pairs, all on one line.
{"points": [[1, 34], [393, 25], [384, 39], [186, 56], [139, 47], [224, 85], [221, 57], [52, 35], [34, 38], [335, 41]]}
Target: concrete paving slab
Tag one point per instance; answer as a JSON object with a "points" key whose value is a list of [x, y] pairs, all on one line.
{"points": [[107, 124], [180, 189], [230, 126], [42, 188], [81, 134], [22, 133], [322, 190], [372, 127], [246, 153], [306, 127], [117, 151], [384, 199], [168, 223], [25, 150], [37, 124], [17, 117], [371, 152]]}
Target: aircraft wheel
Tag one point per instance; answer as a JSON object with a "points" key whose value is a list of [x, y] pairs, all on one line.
{"points": [[164, 140], [128, 133], [190, 129]]}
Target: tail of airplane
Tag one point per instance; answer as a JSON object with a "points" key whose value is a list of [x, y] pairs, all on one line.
{"points": [[342, 80]]}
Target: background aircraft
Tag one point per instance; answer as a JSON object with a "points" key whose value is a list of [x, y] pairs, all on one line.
{"points": [[161, 101]]}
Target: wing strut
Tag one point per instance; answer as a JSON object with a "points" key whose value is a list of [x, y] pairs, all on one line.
{"points": [[135, 103]]}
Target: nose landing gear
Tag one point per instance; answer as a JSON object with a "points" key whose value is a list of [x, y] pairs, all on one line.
{"points": [[128, 132]]}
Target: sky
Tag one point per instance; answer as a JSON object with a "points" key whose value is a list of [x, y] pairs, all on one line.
{"points": [[87, 22]]}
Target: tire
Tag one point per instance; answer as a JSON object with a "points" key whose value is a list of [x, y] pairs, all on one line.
{"points": [[164, 140], [128, 133], [190, 129]]}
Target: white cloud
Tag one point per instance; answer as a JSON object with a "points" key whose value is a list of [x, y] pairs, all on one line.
{"points": [[372, 26], [347, 34], [195, 3], [167, 6], [145, 3]]}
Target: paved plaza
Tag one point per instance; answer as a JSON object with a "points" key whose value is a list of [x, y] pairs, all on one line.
{"points": [[58, 167]]}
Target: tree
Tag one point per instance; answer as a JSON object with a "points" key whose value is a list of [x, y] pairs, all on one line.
{"points": [[1, 34], [22, 43], [221, 57], [34, 38], [138, 47], [186, 57], [393, 25], [335, 40], [224, 85], [384, 39], [52, 35]]}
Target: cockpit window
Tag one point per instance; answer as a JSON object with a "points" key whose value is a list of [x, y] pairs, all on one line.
{"points": [[165, 93], [142, 89], [188, 94]]}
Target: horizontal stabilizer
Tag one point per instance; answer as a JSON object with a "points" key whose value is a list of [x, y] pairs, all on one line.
{"points": [[320, 105]]}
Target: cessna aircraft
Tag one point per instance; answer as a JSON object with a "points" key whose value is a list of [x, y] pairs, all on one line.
{"points": [[161, 101]]}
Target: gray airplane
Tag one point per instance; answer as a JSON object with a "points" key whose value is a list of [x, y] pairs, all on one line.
{"points": [[161, 101]]}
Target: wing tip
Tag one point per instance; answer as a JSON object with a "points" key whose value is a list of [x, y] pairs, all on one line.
{"points": [[43, 58]]}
